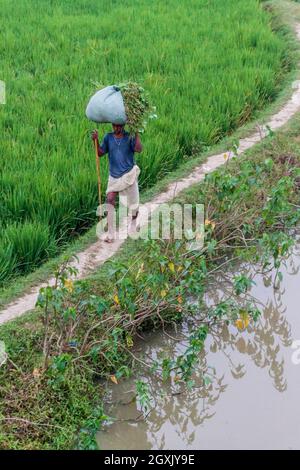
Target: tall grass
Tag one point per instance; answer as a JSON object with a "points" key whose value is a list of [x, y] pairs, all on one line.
{"points": [[208, 64]]}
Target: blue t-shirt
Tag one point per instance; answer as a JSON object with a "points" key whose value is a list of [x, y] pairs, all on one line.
{"points": [[120, 153]]}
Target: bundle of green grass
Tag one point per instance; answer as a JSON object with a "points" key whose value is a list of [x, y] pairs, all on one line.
{"points": [[138, 108]]}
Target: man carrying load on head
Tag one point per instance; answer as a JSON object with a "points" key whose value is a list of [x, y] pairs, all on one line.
{"points": [[123, 172]]}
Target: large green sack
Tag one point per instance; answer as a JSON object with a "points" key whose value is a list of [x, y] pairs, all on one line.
{"points": [[107, 105]]}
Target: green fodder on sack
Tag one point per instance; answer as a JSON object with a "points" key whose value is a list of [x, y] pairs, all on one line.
{"points": [[137, 106]]}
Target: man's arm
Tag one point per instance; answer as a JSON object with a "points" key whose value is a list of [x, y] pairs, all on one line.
{"points": [[138, 144], [95, 138]]}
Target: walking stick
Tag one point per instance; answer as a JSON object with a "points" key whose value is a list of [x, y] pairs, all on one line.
{"points": [[98, 176]]}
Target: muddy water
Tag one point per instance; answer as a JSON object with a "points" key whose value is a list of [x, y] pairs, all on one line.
{"points": [[253, 400]]}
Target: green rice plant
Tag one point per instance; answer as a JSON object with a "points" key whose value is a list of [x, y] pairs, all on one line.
{"points": [[8, 262], [28, 244]]}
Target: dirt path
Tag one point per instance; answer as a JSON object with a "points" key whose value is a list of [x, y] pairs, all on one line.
{"points": [[99, 252]]}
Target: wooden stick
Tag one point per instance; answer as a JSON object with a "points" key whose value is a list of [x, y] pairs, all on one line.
{"points": [[98, 175]]}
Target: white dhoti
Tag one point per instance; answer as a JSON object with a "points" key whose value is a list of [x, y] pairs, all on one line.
{"points": [[128, 189]]}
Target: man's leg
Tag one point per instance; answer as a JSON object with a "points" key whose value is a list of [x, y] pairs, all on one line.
{"points": [[131, 200], [111, 204]]}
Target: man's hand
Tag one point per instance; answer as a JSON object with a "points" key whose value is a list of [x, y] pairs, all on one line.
{"points": [[95, 136]]}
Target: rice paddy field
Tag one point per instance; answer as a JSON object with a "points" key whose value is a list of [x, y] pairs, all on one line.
{"points": [[208, 65]]}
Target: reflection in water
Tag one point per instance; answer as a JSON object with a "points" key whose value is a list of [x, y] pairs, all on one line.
{"points": [[224, 413], [262, 345]]}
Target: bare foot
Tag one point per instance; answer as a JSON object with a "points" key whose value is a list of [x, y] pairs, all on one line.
{"points": [[134, 227], [108, 239]]}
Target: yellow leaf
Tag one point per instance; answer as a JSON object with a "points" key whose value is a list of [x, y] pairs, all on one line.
{"points": [[179, 269], [243, 322], [245, 317], [163, 293], [69, 285], [116, 299], [114, 379], [179, 299], [239, 324], [171, 267], [141, 269], [226, 156], [129, 341], [208, 223]]}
